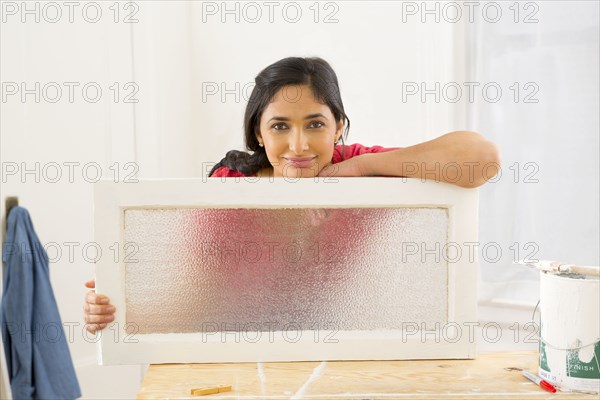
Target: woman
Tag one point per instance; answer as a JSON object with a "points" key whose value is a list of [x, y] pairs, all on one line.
{"points": [[293, 123]]}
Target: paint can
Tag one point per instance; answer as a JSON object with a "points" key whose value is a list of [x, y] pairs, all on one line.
{"points": [[570, 331]]}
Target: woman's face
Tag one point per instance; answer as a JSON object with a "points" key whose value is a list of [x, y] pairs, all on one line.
{"points": [[298, 133]]}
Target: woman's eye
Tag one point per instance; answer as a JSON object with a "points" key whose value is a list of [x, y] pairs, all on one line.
{"points": [[316, 124], [279, 126]]}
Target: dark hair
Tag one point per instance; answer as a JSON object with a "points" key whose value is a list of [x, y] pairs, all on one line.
{"points": [[313, 71]]}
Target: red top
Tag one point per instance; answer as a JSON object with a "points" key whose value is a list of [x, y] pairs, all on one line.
{"points": [[350, 150]]}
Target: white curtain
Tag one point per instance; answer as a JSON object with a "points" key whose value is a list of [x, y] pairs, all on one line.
{"points": [[545, 205]]}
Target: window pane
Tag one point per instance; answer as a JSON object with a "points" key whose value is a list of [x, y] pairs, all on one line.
{"points": [[189, 270]]}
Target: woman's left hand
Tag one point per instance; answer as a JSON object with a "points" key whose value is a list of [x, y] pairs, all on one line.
{"points": [[354, 166]]}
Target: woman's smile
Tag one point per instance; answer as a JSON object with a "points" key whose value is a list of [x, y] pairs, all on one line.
{"points": [[301, 162]]}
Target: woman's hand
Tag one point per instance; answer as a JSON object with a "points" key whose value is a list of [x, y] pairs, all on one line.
{"points": [[97, 311], [355, 166]]}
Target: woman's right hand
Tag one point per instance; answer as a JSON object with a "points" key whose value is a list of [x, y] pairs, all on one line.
{"points": [[97, 311]]}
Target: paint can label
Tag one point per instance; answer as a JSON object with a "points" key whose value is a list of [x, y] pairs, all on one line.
{"points": [[575, 373], [581, 369]]}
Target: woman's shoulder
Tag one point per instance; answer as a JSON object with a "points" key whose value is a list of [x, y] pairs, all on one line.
{"points": [[356, 149], [224, 172]]}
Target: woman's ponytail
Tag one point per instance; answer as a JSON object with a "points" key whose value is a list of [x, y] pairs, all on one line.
{"points": [[246, 163]]}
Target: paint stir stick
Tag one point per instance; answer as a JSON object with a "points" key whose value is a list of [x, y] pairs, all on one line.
{"points": [[559, 268]]}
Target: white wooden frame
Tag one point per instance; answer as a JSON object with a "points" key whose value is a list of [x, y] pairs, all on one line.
{"points": [[454, 340]]}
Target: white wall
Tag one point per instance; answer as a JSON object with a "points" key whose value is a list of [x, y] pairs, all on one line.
{"points": [[371, 52], [63, 132]]}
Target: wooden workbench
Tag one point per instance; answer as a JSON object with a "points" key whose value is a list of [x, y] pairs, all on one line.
{"points": [[490, 376]]}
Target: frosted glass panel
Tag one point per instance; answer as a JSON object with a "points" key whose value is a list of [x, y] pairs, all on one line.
{"points": [[196, 269]]}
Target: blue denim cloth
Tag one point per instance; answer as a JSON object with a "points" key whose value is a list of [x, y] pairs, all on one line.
{"points": [[36, 349]]}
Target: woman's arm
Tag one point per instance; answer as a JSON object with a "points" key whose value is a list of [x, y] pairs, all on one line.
{"points": [[462, 158]]}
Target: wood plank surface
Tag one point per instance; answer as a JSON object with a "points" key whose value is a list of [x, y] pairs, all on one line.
{"points": [[490, 376]]}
